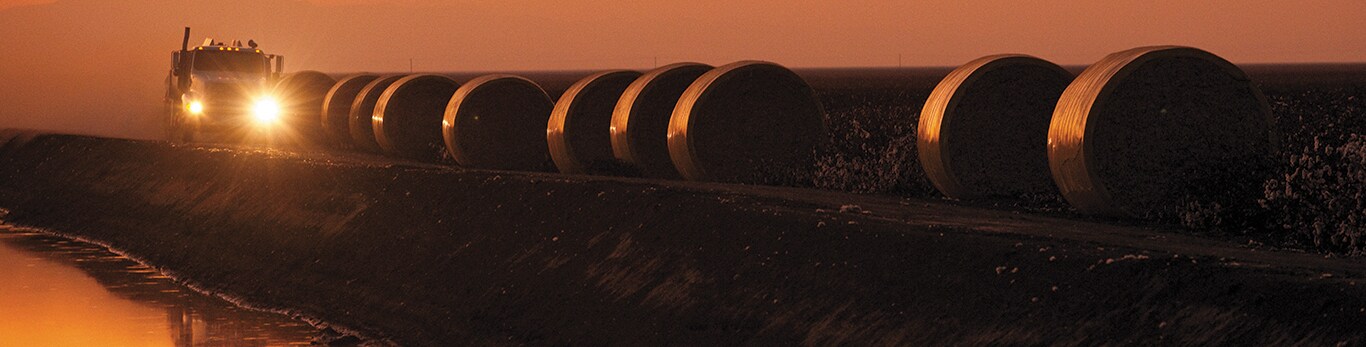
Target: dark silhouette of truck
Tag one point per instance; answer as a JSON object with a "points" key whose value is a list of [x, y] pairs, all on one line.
{"points": [[221, 91]]}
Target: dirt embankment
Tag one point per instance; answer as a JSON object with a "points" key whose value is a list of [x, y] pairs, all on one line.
{"points": [[428, 255]]}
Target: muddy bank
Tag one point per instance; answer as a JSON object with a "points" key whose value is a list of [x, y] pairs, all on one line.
{"points": [[428, 255]]}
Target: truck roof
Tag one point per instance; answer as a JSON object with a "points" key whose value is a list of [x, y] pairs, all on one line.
{"points": [[227, 48]]}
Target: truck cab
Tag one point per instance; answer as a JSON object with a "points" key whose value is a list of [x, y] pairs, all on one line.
{"points": [[221, 90]]}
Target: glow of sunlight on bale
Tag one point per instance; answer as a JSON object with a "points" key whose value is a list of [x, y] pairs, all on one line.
{"points": [[408, 115], [336, 108], [360, 124], [1145, 131], [579, 129], [640, 123], [746, 122]]}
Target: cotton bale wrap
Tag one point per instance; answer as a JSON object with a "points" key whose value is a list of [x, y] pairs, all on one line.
{"points": [[578, 132], [336, 110], [407, 119], [1145, 131], [746, 122], [359, 122], [984, 129], [498, 122], [640, 123]]}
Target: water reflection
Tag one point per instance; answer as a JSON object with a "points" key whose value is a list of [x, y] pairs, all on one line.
{"points": [[56, 292]]}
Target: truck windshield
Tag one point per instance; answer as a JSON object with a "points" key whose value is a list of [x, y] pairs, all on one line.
{"points": [[230, 61]]}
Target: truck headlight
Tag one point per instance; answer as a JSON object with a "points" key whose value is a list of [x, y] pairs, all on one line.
{"points": [[195, 107], [266, 111]]}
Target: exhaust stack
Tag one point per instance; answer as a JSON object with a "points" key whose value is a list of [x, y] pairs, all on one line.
{"points": [[185, 42]]}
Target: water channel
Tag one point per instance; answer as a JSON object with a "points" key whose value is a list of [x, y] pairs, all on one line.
{"points": [[58, 292]]}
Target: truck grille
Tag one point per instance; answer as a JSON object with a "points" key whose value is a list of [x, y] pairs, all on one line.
{"points": [[226, 97]]}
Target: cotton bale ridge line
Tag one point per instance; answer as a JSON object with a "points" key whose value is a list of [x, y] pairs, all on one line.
{"points": [[578, 132], [407, 118], [984, 129], [1146, 131], [498, 122], [746, 122], [640, 123], [359, 122], [301, 97], [336, 108]]}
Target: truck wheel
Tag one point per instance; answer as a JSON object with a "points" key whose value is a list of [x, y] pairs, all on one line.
{"points": [[181, 131], [171, 123], [188, 134]]}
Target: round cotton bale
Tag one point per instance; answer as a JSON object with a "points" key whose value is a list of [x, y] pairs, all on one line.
{"points": [[746, 122], [640, 123], [578, 133], [498, 122], [337, 107], [407, 120], [359, 122], [301, 95], [1145, 131], [984, 129]]}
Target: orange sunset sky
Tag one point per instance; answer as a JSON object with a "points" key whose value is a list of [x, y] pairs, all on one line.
{"points": [[69, 63]]}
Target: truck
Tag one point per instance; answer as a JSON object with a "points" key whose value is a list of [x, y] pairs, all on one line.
{"points": [[221, 91]]}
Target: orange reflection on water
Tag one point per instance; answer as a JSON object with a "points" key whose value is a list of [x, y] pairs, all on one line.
{"points": [[55, 292], [44, 303]]}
